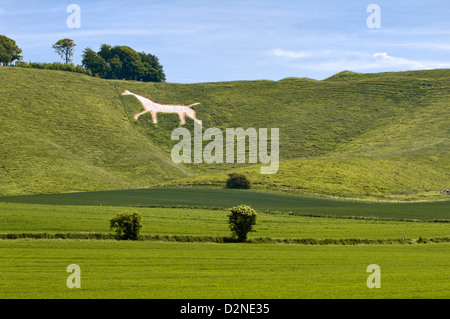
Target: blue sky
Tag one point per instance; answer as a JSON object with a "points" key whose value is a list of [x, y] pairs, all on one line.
{"points": [[227, 40]]}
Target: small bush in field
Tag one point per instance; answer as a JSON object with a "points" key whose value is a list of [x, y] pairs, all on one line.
{"points": [[238, 181], [242, 219], [127, 225]]}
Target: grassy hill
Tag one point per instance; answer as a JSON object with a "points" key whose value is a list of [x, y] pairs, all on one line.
{"points": [[63, 132], [381, 135]]}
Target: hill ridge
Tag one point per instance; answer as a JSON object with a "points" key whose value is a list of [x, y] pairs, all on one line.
{"points": [[66, 132]]}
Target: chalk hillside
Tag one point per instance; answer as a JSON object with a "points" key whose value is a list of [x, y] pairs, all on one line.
{"points": [[384, 135]]}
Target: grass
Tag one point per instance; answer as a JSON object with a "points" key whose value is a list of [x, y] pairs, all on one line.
{"points": [[26, 218], [37, 269], [183, 255], [395, 178], [359, 136], [224, 199], [66, 132], [364, 136]]}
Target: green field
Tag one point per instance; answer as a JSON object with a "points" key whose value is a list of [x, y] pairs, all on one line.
{"points": [[364, 158], [26, 218], [225, 199], [37, 269]]}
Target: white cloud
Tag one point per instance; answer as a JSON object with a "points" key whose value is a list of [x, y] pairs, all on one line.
{"points": [[336, 61], [383, 60]]}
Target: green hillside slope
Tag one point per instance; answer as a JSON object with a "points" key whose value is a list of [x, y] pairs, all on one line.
{"points": [[63, 132], [352, 135]]}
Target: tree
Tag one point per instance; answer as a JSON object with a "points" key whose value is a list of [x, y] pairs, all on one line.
{"points": [[154, 70], [65, 49], [124, 63], [96, 64], [9, 51], [127, 225], [238, 181], [242, 219]]}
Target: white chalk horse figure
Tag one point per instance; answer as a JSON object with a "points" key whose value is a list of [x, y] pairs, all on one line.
{"points": [[155, 108]]}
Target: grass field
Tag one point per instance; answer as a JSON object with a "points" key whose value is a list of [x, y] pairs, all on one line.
{"points": [[225, 199], [37, 269], [381, 138], [27, 218]]}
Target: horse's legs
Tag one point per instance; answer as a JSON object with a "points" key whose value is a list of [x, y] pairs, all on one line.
{"points": [[137, 116], [154, 117], [182, 118]]}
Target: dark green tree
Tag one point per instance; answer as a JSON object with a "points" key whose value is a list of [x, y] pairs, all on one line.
{"points": [[9, 51], [95, 63], [65, 48], [105, 52], [238, 181], [122, 62], [153, 69], [127, 225]]}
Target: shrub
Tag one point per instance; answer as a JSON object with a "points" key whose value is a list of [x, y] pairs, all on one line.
{"points": [[242, 219], [238, 181], [54, 66], [127, 225]]}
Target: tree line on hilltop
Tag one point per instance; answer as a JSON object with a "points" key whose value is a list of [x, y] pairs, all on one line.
{"points": [[118, 62]]}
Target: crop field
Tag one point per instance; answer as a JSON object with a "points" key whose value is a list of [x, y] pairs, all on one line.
{"points": [[27, 218], [165, 269], [225, 199]]}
